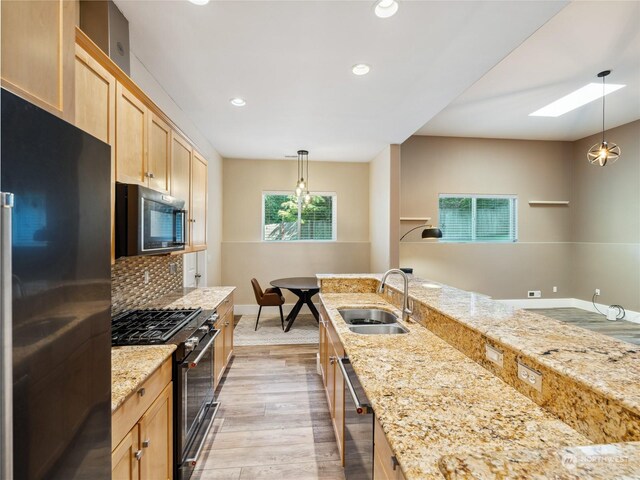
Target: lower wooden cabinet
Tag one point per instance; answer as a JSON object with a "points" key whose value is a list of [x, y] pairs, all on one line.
{"points": [[331, 350], [385, 466], [142, 431], [223, 344]]}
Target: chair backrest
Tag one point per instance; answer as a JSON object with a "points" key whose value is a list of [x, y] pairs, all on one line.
{"points": [[257, 291]]}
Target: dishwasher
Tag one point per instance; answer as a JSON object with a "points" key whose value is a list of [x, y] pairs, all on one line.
{"points": [[358, 427]]}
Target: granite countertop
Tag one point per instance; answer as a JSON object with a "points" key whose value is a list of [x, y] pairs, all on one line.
{"points": [[614, 460], [132, 365], [206, 298], [607, 365], [432, 400]]}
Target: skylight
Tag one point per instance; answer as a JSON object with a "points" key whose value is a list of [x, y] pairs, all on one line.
{"points": [[576, 99]]}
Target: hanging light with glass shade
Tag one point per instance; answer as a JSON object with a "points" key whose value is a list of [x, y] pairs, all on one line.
{"points": [[300, 184], [603, 153], [307, 195]]}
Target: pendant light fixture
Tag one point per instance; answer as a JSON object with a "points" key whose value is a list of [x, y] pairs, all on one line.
{"points": [[300, 184], [603, 153]]}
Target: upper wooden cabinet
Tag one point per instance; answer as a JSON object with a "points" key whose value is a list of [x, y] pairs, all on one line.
{"points": [[198, 201], [95, 110], [181, 170], [131, 133], [38, 39], [159, 155]]}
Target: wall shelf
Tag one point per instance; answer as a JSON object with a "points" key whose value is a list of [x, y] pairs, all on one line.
{"points": [[548, 202]]}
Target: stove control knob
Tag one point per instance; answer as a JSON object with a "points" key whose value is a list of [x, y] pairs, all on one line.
{"points": [[204, 328], [190, 344]]}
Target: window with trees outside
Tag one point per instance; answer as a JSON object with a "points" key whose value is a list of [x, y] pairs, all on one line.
{"points": [[478, 218], [287, 218]]}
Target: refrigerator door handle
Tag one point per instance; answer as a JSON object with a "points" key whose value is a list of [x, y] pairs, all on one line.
{"points": [[6, 353]]}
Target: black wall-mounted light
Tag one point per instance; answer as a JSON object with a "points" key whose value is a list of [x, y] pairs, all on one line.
{"points": [[429, 231]]}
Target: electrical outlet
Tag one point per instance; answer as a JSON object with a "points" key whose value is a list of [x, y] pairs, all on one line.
{"points": [[555, 289], [146, 276], [493, 355], [173, 268], [530, 376], [597, 292], [534, 294]]}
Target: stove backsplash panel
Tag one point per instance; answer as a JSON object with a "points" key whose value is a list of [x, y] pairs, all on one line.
{"points": [[129, 288]]}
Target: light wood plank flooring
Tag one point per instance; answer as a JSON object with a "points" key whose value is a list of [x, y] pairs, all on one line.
{"points": [[273, 421]]}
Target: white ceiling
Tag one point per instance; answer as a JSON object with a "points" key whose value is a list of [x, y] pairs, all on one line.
{"points": [[291, 61], [562, 56]]}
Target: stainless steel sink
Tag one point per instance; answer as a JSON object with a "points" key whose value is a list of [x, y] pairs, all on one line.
{"points": [[368, 316], [392, 329]]}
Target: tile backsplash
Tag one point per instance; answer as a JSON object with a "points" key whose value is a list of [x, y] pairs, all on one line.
{"points": [[128, 287]]}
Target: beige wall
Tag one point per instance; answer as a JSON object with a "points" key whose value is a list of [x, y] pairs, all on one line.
{"points": [[533, 170], [214, 220], [605, 224], [384, 209], [245, 255], [592, 243]]}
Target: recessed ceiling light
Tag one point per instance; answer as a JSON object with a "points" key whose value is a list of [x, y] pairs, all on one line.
{"points": [[238, 102], [360, 69], [576, 99], [199, 2], [386, 8]]}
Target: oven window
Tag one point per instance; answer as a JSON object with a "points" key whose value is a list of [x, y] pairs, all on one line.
{"points": [[198, 391], [159, 226]]}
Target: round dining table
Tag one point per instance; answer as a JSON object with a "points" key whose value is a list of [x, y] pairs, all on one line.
{"points": [[304, 288]]}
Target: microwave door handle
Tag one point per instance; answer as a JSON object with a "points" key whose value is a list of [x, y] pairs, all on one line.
{"points": [[183, 214]]}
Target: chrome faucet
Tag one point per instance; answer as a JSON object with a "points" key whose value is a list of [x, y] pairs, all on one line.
{"points": [[405, 301]]}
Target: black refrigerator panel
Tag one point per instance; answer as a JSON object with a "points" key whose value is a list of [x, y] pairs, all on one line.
{"points": [[60, 177]]}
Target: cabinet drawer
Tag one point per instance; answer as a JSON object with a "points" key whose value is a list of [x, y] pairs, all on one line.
{"points": [[225, 306], [128, 414]]}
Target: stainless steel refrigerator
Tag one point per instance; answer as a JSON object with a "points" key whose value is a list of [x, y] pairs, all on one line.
{"points": [[55, 297]]}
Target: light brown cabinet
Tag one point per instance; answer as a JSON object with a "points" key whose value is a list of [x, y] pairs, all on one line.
{"points": [[158, 169], [181, 170], [331, 350], [142, 430], [132, 119], [223, 344], [385, 465], [37, 51], [95, 111], [124, 459], [198, 201]]}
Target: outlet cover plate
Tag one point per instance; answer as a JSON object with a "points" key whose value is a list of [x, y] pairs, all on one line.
{"points": [[530, 376], [534, 294], [493, 355]]}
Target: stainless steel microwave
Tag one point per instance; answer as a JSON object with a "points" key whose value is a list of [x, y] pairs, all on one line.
{"points": [[148, 222]]}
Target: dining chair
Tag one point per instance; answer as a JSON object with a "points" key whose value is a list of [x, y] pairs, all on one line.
{"points": [[271, 297]]}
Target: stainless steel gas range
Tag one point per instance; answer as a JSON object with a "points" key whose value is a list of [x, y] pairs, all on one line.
{"points": [[191, 330]]}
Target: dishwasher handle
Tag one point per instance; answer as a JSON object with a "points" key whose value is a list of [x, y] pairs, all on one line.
{"points": [[361, 408]]}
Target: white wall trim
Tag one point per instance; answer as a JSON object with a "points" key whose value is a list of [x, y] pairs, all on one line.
{"points": [[253, 309], [631, 316]]}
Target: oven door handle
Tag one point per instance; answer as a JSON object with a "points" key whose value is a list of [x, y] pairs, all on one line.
{"points": [[194, 362], [361, 408]]}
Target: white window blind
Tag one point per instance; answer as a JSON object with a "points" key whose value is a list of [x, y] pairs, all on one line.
{"points": [[285, 218], [478, 218]]}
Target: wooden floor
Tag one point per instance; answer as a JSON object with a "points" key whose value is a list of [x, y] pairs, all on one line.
{"points": [[273, 421], [621, 329]]}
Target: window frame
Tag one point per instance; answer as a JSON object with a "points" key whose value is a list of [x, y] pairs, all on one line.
{"points": [[513, 213], [334, 215]]}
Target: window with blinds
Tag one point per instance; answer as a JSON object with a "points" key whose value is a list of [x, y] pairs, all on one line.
{"points": [[285, 218], [478, 218]]}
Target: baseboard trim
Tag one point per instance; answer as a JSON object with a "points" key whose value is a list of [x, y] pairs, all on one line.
{"points": [[253, 309], [631, 316]]}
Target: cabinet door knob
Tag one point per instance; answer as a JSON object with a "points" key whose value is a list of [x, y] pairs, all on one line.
{"points": [[332, 359], [151, 175], [141, 392], [146, 443], [394, 462], [138, 454]]}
